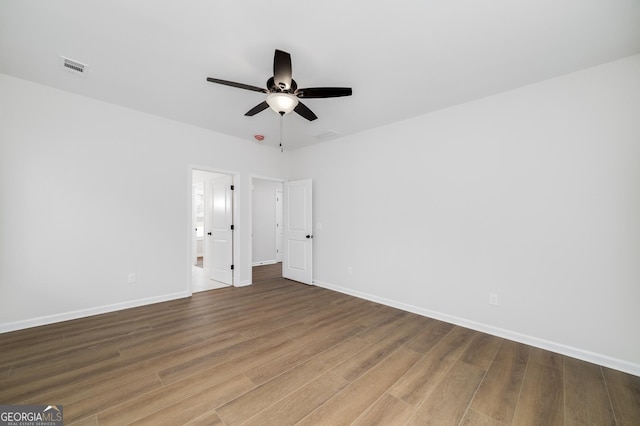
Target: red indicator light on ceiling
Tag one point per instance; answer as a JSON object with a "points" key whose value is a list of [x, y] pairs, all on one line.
{"points": [[259, 138]]}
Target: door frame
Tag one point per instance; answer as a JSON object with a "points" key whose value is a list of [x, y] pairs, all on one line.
{"points": [[279, 196], [235, 178], [251, 178]]}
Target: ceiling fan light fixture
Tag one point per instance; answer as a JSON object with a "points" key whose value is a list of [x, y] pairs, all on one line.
{"points": [[282, 103], [282, 90]]}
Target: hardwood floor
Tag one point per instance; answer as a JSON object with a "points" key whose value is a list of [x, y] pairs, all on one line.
{"points": [[280, 352]]}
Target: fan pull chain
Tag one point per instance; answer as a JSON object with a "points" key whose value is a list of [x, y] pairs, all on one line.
{"points": [[281, 131]]}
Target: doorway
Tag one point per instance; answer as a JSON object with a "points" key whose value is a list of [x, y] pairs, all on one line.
{"points": [[267, 227], [212, 230]]}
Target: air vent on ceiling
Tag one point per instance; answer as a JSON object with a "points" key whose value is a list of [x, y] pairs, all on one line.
{"points": [[75, 67], [326, 135]]}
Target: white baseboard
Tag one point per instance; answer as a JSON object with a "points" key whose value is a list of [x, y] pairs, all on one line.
{"points": [[604, 360], [51, 319], [265, 262]]}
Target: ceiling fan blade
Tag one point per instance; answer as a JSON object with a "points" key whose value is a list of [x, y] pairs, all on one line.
{"points": [[282, 69], [256, 109], [238, 85], [304, 111], [323, 92]]}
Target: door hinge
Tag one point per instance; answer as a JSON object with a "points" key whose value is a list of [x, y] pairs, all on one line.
{"points": [[232, 267], [232, 228], [232, 187]]}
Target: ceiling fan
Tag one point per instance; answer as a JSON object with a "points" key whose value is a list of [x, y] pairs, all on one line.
{"points": [[282, 91]]}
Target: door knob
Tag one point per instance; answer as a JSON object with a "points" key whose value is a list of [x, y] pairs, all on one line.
{"points": [[309, 236], [208, 233]]}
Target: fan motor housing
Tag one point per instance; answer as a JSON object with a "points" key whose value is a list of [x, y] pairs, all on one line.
{"points": [[273, 87]]}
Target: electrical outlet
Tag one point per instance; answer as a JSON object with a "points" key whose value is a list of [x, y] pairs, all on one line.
{"points": [[493, 299], [131, 278]]}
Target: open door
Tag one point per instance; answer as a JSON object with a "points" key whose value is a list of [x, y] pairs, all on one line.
{"points": [[297, 264], [219, 229]]}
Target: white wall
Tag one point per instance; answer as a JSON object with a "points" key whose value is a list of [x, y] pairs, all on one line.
{"points": [[532, 194], [90, 192], [264, 220]]}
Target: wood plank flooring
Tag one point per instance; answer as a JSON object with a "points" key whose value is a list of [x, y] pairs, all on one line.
{"points": [[280, 352]]}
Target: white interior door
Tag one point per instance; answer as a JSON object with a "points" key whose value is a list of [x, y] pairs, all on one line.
{"points": [[298, 236], [219, 235], [279, 226]]}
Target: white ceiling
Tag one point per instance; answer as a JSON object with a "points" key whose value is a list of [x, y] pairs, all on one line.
{"points": [[402, 58]]}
